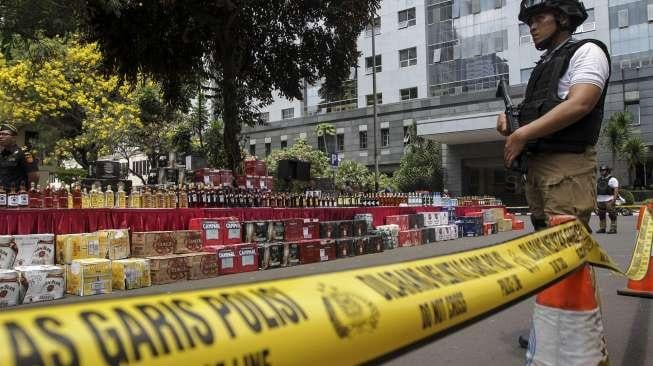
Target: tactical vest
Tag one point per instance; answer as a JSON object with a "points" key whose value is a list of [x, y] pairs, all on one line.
{"points": [[603, 188], [542, 96]]}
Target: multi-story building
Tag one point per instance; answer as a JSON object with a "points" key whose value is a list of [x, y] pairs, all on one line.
{"points": [[437, 66]]}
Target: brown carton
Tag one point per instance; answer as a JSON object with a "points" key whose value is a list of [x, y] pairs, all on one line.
{"points": [[168, 268], [153, 243], [202, 265], [188, 241]]}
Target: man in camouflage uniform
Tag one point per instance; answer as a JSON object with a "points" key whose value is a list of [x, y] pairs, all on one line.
{"points": [[17, 165]]}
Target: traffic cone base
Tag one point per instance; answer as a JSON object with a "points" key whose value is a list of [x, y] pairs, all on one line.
{"points": [[642, 288]]}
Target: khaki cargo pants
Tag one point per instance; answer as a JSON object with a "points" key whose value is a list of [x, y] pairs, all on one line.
{"points": [[561, 184]]}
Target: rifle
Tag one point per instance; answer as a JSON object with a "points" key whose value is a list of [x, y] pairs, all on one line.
{"points": [[512, 114]]}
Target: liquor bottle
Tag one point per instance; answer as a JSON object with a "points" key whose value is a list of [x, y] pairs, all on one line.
{"points": [[70, 202], [167, 197], [109, 198], [12, 197], [56, 198], [147, 198], [3, 197], [182, 197], [159, 200], [121, 195], [23, 196], [101, 202], [136, 199], [47, 197], [77, 196], [86, 199], [34, 196]]}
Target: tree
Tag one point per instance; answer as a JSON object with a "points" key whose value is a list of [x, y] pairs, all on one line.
{"points": [[246, 49], [420, 167], [634, 151], [616, 132], [323, 130], [300, 150], [353, 173]]}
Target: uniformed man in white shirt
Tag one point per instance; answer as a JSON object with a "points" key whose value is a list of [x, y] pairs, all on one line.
{"points": [[607, 190]]}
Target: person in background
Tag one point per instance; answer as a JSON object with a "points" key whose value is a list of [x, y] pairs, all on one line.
{"points": [[17, 165], [607, 192]]}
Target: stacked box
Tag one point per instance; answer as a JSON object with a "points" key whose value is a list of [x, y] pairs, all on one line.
{"points": [[442, 218], [130, 273], [388, 235], [428, 235], [446, 232], [368, 218], [89, 276], [415, 221], [416, 237], [40, 283], [232, 230], [255, 231], [8, 253], [153, 244], [405, 238], [509, 216], [472, 225], [490, 228], [276, 231], [9, 288], [373, 244], [202, 265], [271, 255], [293, 229], [360, 228], [236, 258], [518, 225], [429, 218], [399, 220], [311, 229], [290, 254], [359, 244], [80, 246], [188, 241], [168, 268], [492, 214], [329, 229], [504, 225], [211, 230], [309, 251], [36, 249], [116, 242], [327, 250], [343, 247], [345, 229]]}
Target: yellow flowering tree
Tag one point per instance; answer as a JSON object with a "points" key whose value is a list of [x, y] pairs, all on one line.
{"points": [[86, 111]]}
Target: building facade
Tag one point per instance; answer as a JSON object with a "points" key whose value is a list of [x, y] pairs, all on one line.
{"points": [[437, 66]]}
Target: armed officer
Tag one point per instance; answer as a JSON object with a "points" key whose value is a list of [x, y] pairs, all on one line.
{"points": [[17, 166], [607, 189], [560, 116]]}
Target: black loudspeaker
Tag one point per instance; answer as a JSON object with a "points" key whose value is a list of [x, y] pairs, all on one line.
{"points": [[287, 169], [303, 171], [104, 170]]}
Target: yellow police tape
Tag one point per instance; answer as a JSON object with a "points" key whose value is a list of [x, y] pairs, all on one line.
{"points": [[331, 319]]}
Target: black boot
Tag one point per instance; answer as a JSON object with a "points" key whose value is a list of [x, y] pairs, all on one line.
{"points": [[523, 342], [600, 231], [612, 231]]}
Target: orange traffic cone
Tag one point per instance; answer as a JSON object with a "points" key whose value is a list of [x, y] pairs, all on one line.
{"points": [[567, 325], [642, 208], [642, 288]]}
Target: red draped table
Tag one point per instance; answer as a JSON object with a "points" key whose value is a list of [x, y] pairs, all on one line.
{"points": [[65, 221]]}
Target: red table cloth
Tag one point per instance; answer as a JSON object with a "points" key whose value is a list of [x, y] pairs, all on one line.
{"points": [[65, 221]]}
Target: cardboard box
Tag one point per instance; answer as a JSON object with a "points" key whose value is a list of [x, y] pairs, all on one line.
{"points": [[130, 273], [416, 237], [8, 252], [116, 242], [276, 231], [518, 225], [311, 229], [36, 249], [153, 244], [202, 265], [327, 250], [9, 288], [80, 246], [345, 229], [343, 247], [309, 251], [329, 229], [236, 258], [90, 276], [505, 225], [40, 283], [389, 241], [361, 227], [270, 255], [255, 231], [290, 254], [168, 268], [369, 220], [188, 241], [428, 235], [373, 244], [399, 220], [210, 229], [232, 232], [293, 229], [415, 221], [358, 245]]}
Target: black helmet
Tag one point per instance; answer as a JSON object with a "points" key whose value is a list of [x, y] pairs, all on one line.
{"points": [[574, 9], [605, 168]]}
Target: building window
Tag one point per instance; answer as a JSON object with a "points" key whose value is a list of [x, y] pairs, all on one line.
{"points": [[649, 12], [525, 34], [252, 149], [268, 149], [369, 64], [406, 135], [284, 144], [407, 18], [287, 113], [622, 18], [141, 167], [525, 74], [370, 99], [633, 109], [409, 93], [265, 117], [589, 24], [340, 141], [385, 137], [320, 143], [362, 139], [476, 6], [377, 27], [408, 57]]}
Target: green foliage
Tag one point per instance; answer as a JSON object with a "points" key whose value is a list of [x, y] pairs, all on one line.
{"points": [[616, 132], [355, 174], [214, 144], [69, 176], [300, 150], [421, 165], [324, 130], [627, 196], [634, 151]]}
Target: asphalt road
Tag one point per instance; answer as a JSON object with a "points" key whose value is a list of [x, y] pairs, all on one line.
{"points": [[628, 321]]}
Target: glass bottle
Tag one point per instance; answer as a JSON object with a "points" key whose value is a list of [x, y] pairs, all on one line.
{"points": [[121, 196], [109, 197], [147, 198], [77, 196], [34, 196], [70, 202], [23, 196], [86, 199], [3, 197], [101, 202], [183, 197], [160, 200], [12, 197], [47, 196]]}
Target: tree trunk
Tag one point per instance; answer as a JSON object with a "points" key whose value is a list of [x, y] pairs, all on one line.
{"points": [[231, 121]]}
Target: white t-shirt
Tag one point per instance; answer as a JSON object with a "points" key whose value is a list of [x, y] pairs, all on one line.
{"points": [[612, 183], [588, 65]]}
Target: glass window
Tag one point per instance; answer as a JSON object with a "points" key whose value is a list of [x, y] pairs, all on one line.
{"points": [[633, 109], [252, 149], [385, 137], [524, 34], [622, 18], [476, 6], [409, 93], [408, 57], [370, 100], [369, 64], [439, 13], [268, 149], [287, 113], [265, 117], [406, 18], [320, 144], [526, 74], [406, 135], [362, 139], [284, 144], [649, 12], [377, 27], [340, 141]]}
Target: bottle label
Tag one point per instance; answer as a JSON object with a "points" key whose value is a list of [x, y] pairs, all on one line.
{"points": [[3, 199], [23, 199], [12, 201]]}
